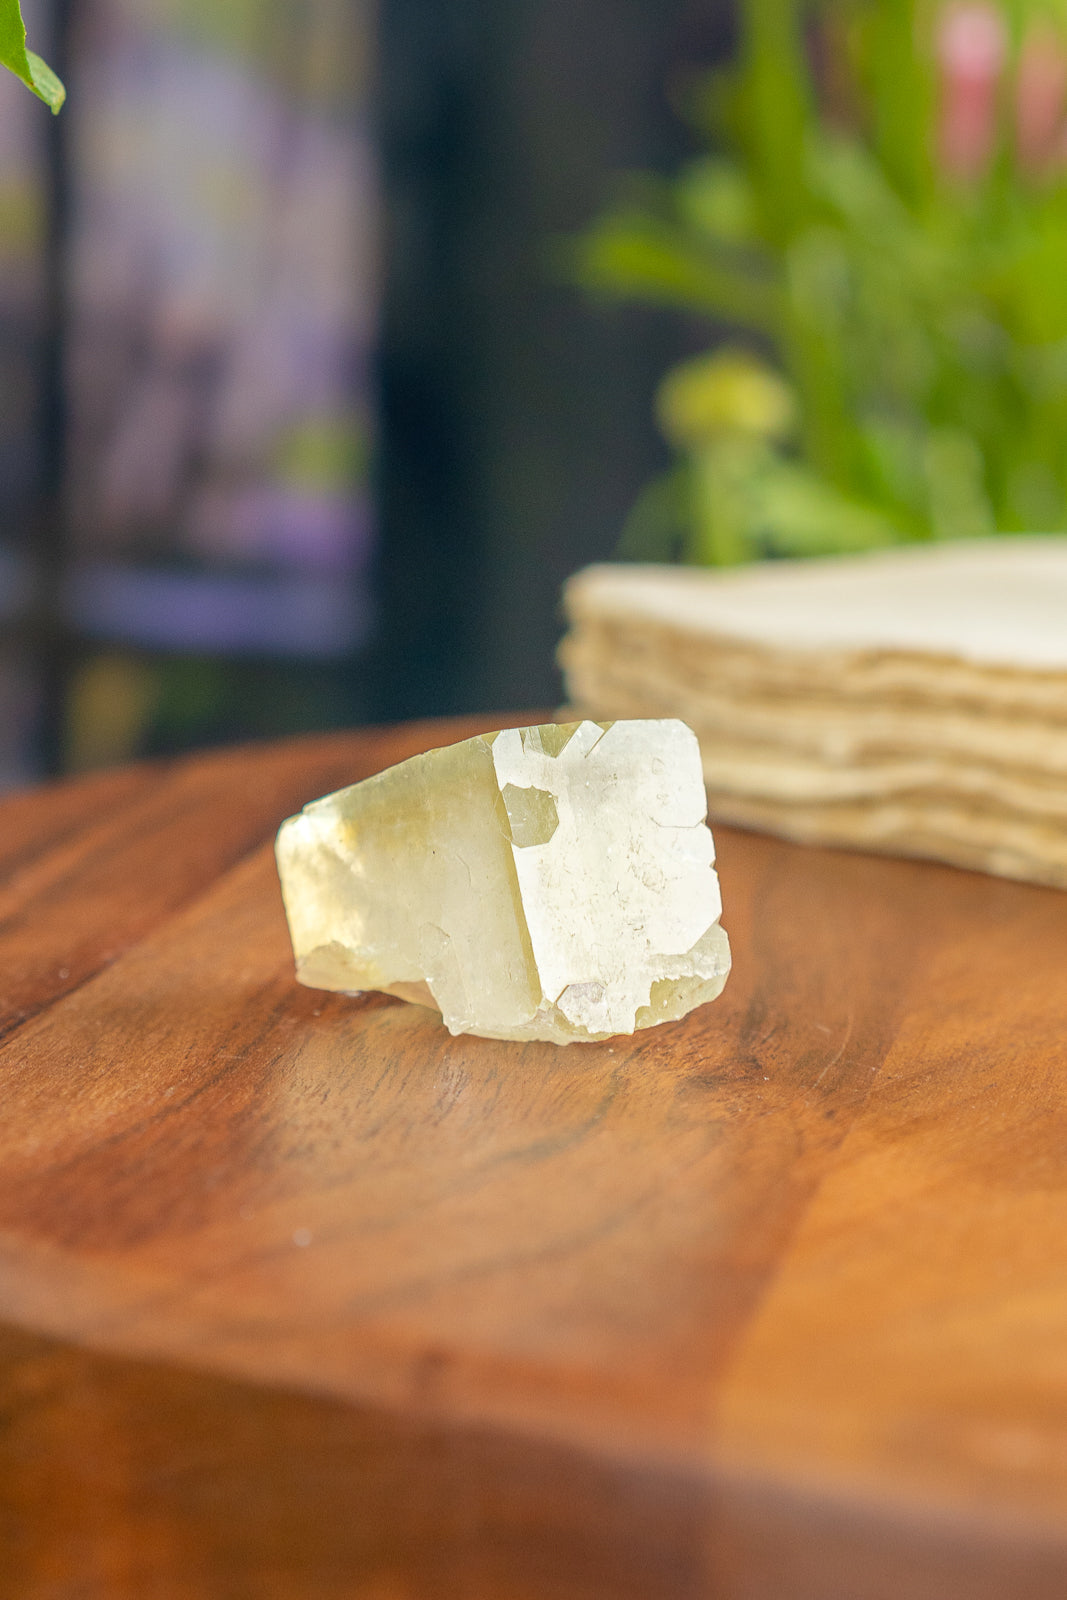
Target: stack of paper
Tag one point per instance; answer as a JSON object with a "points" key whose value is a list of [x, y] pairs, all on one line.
{"points": [[912, 701]]}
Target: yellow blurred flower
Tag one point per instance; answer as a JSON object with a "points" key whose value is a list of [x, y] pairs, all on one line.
{"points": [[728, 391]]}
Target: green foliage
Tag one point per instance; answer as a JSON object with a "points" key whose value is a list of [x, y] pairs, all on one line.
{"points": [[897, 365], [35, 74]]}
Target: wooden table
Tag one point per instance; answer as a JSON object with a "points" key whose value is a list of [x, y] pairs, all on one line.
{"points": [[303, 1298]]}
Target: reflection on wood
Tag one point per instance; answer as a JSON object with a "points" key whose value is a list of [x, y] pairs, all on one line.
{"points": [[307, 1298]]}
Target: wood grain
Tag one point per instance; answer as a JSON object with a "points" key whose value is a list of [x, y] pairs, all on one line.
{"points": [[305, 1298]]}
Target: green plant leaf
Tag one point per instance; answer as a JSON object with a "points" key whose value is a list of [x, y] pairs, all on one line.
{"points": [[34, 72], [775, 101], [631, 253], [914, 314], [715, 199], [656, 527]]}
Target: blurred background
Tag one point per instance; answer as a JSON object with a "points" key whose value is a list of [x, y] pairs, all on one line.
{"points": [[334, 334]]}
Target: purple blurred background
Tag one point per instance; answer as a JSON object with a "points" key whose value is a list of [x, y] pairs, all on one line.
{"points": [[217, 307]]}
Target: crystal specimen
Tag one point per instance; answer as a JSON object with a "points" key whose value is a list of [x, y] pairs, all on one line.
{"points": [[540, 883]]}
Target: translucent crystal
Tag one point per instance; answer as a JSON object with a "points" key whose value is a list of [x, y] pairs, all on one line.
{"points": [[539, 883]]}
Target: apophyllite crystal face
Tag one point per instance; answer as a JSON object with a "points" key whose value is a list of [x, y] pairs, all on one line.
{"points": [[538, 883]]}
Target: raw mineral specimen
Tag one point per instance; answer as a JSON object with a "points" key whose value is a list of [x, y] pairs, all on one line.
{"points": [[540, 883]]}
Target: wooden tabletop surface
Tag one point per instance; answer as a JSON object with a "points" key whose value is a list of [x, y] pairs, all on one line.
{"points": [[303, 1298]]}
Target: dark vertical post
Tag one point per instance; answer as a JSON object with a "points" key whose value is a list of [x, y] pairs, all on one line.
{"points": [[49, 549], [435, 59], [516, 419]]}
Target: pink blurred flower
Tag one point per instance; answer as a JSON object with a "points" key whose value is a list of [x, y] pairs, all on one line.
{"points": [[971, 51], [1041, 89]]}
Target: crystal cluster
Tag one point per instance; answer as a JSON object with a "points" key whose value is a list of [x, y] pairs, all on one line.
{"points": [[550, 883]]}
